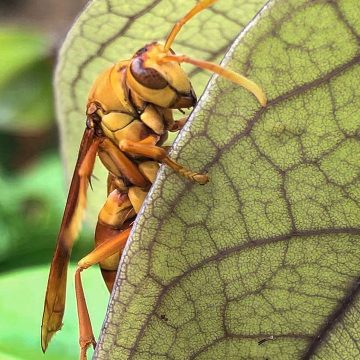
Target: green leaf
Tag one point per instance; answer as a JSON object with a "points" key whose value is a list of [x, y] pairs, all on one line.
{"points": [[269, 249], [113, 30], [21, 308], [30, 214], [26, 103], [19, 49]]}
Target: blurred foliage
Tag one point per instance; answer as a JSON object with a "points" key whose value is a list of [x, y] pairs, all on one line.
{"points": [[30, 212], [21, 310], [32, 197], [31, 179], [25, 81], [26, 98]]}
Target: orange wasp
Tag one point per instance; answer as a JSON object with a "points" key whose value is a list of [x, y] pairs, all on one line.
{"points": [[129, 114]]}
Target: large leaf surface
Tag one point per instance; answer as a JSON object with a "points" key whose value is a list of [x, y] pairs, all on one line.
{"points": [[112, 30], [270, 247]]}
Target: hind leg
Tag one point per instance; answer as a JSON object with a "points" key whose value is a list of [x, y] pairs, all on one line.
{"points": [[103, 251], [110, 239], [119, 209]]}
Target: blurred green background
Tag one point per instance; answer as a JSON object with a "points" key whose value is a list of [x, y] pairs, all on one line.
{"points": [[32, 182]]}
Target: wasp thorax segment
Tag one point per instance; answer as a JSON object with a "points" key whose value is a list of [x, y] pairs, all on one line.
{"points": [[115, 121], [102, 92], [118, 83], [152, 118], [136, 132]]}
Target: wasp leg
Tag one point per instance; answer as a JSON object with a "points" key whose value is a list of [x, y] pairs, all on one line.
{"points": [[149, 169], [76, 202], [109, 243], [178, 124], [86, 335], [103, 251], [114, 182], [136, 194], [119, 164], [159, 154]]}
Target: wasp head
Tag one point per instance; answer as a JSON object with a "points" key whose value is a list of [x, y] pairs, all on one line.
{"points": [[162, 83]]}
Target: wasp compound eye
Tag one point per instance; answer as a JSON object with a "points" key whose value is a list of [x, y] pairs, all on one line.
{"points": [[148, 77]]}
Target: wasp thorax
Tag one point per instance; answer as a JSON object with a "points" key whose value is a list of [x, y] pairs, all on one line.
{"points": [[163, 84]]}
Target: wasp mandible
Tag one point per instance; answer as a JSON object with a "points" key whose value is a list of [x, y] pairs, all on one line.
{"points": [[129, 113]]}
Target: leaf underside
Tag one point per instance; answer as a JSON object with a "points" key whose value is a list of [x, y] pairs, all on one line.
{"points": [[269, 248]]}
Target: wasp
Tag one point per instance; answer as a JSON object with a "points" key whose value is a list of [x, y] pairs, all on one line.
{"points": [[129, 113]]}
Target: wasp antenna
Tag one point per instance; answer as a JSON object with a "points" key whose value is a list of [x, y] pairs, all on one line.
{"points": [[201, 5], [228, 74]]}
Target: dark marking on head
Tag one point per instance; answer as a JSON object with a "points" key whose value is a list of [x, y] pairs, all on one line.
{"points": [[144, 49], [147, 77]]}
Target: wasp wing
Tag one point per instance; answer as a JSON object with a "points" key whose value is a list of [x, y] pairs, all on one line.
{"points": [[75, 205]]}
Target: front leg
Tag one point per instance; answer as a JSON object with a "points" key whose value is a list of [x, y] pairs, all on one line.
{"points": [[161, 120], [119, 164], [178, 124], [157, 153]]}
